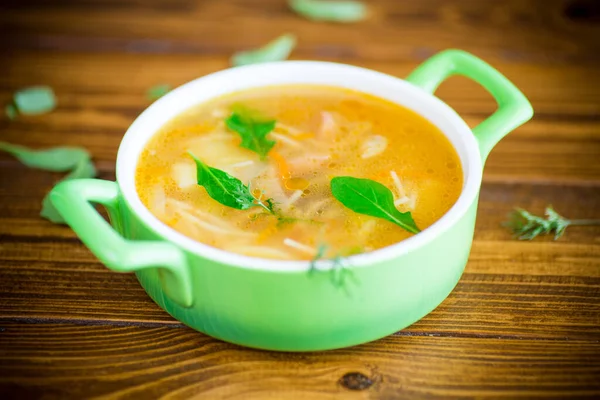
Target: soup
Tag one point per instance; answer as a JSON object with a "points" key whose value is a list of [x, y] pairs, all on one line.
{"points": [[258, 173]]}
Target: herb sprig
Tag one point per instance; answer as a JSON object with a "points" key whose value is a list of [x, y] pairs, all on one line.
{"points": [[527, 226], [339, 272], [368, 197]]}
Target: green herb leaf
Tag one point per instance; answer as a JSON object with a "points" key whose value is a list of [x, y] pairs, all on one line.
{"points": [[35, 100], [368, 197], [11, 111], [253, 133], [226, 189], [158, 91], [328, 10], [276, 50], [527, 226], [58, 159]]}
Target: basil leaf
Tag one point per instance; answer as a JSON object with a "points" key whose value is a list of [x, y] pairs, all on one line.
{"points": [[158, 91], [222, 187], [35, 100], [58, 159], [327, 10], [368, 197], [276, 50], [252, 132]]}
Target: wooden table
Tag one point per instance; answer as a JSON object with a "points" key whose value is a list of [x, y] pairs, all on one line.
{"points": [[524, 320]]}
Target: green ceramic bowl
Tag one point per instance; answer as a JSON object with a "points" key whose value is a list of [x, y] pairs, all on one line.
{"points": [[282, 305]]}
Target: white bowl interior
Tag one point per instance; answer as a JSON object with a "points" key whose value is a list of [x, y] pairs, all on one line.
{"points": [[298, 72]]}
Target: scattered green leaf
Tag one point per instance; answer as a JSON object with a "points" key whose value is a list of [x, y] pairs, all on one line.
{"points": [[368, 197], [11, 111], [330, 10], [158, 91], [253, 133], [59, 159], [34, 100], [226, 189], [527, 226], [276, 50]]}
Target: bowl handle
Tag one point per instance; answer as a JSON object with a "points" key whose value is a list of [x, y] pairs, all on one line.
{"points": [[513, 107], [73, 201]]}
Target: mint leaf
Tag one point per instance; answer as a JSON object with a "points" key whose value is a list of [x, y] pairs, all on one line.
{"points": [[276, 50], [368, 197], [327, 10], [253, 133]]}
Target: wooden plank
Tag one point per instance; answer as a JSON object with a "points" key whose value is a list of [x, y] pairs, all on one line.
{"points": [[544, 31], [522, 322], [73, 361], [95, 109], [21, 195], [510, 289], [543, 305]]}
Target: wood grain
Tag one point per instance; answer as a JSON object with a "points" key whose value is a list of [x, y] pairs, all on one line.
{"points": [[524, 320], [528, 289], [565, 127], [70, 361]]}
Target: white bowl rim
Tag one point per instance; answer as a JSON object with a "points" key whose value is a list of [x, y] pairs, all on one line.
{"points": [[125, 167]]}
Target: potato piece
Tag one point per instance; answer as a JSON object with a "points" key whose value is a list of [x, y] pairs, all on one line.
{"points": [[374, 145]]}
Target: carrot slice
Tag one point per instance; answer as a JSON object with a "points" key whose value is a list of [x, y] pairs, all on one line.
{"points": [[284, 168]]}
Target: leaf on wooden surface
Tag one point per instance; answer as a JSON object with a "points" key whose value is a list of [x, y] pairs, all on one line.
{"points": [[527, 226], [158, 91], [59, 159], [276, 50], [330, 10], [11, 111], [34, 100]]}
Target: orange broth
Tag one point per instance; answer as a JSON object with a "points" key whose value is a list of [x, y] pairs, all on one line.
{"points": [[321, 132]]}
